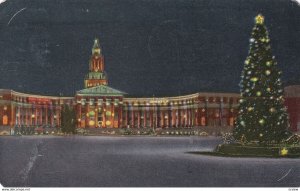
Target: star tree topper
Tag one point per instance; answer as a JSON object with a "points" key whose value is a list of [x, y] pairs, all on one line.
{"points": [[259, 19]]}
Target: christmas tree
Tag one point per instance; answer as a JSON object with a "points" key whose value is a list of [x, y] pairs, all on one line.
{"points": [[262, 115]]}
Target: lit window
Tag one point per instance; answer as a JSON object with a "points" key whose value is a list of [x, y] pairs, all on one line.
{"points": [[5, 120]]}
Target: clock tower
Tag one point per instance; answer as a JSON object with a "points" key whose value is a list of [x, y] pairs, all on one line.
{"points": [[96, 75]]}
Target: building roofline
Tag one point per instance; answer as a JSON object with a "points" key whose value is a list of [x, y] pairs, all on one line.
{"points": [[189, 96], [34, 95]]}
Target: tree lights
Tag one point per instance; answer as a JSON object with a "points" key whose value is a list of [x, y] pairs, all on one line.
{"points": [[262, 116]]}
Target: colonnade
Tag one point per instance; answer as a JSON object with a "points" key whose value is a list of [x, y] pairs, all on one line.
{"points": [[37, 115], [193, 112], [99, 113]]}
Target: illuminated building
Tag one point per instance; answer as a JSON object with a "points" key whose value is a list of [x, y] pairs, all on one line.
{"points": [[101, 106], [292, 102]]}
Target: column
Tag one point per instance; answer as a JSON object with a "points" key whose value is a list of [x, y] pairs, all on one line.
{"points": [[174, 117], [46, 115], [221, 111], [145, 116], [184, 117], [206, 112], [120, 116], [51, 115], [188, 110], [151, 117], [26, 117], [154, 116], [78, 115], [169, 117], [162, 118], [104, 113], [177, 117], [41, 115], [197, 116], [126, 115], [35, 117], [192, 116], [57, 111], [139, 117], [87, 110], [96, 112], [132, 116], [18, 116], [112, 111]]}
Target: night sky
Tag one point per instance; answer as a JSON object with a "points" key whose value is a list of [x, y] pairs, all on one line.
{"points": [[151, 47]]}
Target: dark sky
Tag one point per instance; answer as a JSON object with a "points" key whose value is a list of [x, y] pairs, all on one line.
{"points": [[160, 47]]}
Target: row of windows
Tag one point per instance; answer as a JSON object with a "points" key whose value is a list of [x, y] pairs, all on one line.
{"points": [[182, 102]]}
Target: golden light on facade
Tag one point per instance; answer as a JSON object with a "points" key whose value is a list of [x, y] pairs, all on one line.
{"points": [[32, 116], [284, 151], [91, 123], [108, 123]]}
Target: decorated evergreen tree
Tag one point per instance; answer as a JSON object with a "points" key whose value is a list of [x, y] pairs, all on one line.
{"points": [[262, 115], [68, 117]]}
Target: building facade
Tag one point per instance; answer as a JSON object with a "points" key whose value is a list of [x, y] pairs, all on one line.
{"points": [[292, 102], [101, 106]]}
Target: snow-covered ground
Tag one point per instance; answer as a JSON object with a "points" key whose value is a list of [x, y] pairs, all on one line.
{"points": [[41, 161]]}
